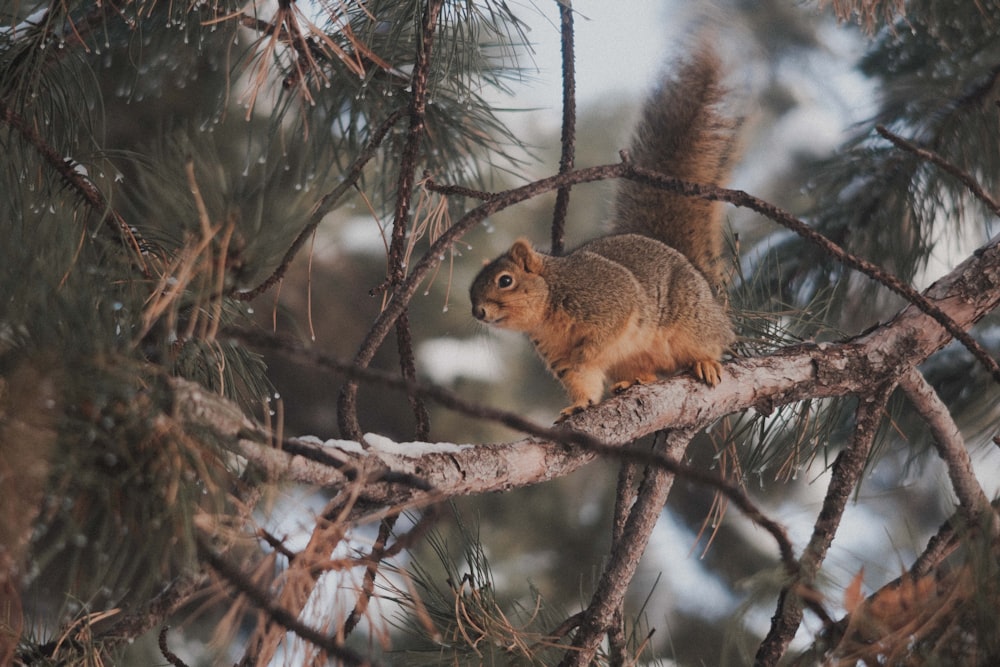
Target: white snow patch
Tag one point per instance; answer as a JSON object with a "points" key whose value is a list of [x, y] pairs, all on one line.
{"points": [[348, 446], [445, 360], [383, 445], [692, 587]]}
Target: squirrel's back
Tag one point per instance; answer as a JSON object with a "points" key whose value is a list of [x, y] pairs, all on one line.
{"points": [[639, 302], [683, 133]]}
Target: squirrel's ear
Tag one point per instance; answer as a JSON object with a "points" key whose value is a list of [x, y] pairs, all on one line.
{"points": [[525, 256]]}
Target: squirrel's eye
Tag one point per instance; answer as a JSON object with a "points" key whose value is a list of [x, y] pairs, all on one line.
{"points": [[505, 280]]}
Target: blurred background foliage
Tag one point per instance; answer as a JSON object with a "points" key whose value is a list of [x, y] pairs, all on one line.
{"points": [[146, 99]]}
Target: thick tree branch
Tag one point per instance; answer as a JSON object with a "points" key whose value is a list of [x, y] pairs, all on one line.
{"points": [[762, 383]]}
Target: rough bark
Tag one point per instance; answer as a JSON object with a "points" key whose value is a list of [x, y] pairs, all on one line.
{"points": [[764, 383]]}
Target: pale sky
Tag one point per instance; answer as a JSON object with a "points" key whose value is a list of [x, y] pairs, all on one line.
{"points": [[620, 48]]}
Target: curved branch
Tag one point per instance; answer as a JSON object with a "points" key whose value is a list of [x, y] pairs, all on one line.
{"points": [[402, 295], [950, 446], [762, 383]]}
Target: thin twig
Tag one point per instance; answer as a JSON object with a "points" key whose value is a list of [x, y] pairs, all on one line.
{"points": [[625, 495], [624, 558], [263, 600], [375, 557], [844, 479], [568, 138], [325, 205], [966, 179]]}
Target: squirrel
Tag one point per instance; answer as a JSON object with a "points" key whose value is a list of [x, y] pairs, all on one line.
{"points": [[643, 300]]}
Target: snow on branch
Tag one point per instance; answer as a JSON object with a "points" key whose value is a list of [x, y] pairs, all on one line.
{"points": [[394, 474]]}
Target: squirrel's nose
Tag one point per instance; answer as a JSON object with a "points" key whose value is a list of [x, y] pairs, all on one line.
{"points": [[478, 312]]}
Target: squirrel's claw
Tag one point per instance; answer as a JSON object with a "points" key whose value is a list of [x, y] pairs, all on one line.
{"points": [[645, 378], [708, 371], [621, 387], [574, 409]]}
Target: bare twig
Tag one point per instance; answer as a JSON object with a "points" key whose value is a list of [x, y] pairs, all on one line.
{"points": [[966, 179], [844, 478], [625, 555], [568, 138], [325, 205], [625, 494]]}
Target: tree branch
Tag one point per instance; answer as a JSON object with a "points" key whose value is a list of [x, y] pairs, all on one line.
{"points": [[844, 479], [624, 559], [950, 446], [568, 138], [77, 181], [763, 383]]}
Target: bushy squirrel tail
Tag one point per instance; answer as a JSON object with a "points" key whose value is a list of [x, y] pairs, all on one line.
{"points": [[683, 133]]}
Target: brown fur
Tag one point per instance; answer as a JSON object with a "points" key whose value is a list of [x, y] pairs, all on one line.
{"points": [[626, 307]]}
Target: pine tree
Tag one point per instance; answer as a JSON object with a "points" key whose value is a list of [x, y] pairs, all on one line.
{"points": [[173, 173]]}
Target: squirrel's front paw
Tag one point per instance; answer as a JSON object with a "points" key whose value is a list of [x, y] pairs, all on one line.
{"points": [[574, 409], [708, 371]]}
